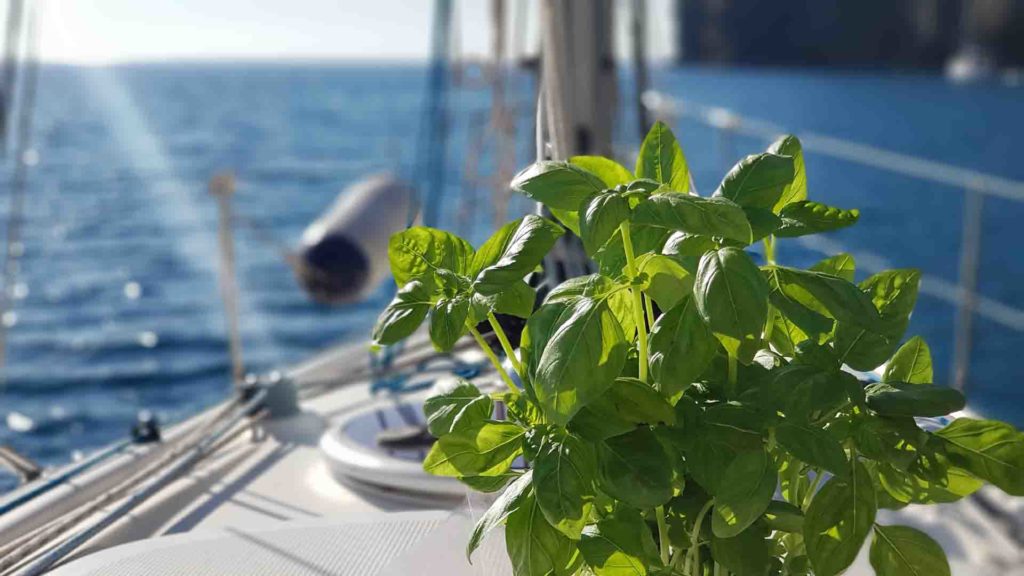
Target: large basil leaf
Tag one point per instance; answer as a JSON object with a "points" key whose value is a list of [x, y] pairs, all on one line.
{"points": [[906, 551], [558, 185], [448, 321], [842, 265], [563, 471], [662, 160], [731, 294], [826, 294], [744, 498], [803, 390], [784, 516], [681, 348], [516, 299], [459, 404], [763, 222], [991, 450], [806, 217], [635, 468], [747, 554], [520, 253], [609, 171], [601, 288], [929, 479], [420, 251], [404, 314], [757, 181], [600, 217], [582, 357], [797, 189], [611, 258], [798, 320], [893, 293], [695, 215], [667, 281], [634, 401], [620, 544], [482, 449], [813, 446], [912, 363], [495, 516], [713, 443], [838, 521], [899, 399], [534, 546]]}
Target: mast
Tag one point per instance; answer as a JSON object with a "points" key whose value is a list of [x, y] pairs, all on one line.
{"points": [[433, 145], [579, 99]]}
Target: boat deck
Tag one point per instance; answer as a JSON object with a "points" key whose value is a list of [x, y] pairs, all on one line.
{"points": [[274, 479]]}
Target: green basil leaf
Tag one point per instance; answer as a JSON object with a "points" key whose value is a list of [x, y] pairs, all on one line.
{"points": [[745, 497], [420, 251], [668, 282], [600, 217], [681, 245], [557, 185], [763, 222], [747, 554], [803, 390], [521, 252], [634, 401], [825, 294], [681, 348], [458, 404], [534, 546], [991, 450], [568, 218], [912, 363], [714, 442], [784, 517], [813, 446], [757, 181], [495, 516], [695, 215], [798, 320], [917, 485], [806, 217], [404, 314], [893, 293], [620, 544], [581, 358], [483, 449], [797, 189], [906, 551], [611, 258], [609, 171], [516, 299], [899, 399], [635, 468], [490, 484], [448, 322], [662, 160], [731, 294], [600, 288], [563, 471], [841, 265], [838, 521]]}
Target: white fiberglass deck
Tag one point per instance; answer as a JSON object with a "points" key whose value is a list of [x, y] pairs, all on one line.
{"points": [[274, 505]]}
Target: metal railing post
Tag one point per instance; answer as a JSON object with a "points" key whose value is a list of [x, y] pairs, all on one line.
{"points": [[970, 249]]}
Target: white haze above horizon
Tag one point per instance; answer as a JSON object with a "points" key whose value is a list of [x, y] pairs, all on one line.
{"points": [[111, 31]]}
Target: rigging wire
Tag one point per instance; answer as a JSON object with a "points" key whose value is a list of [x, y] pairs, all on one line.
{"points": [[23, 160], [12, 38]]}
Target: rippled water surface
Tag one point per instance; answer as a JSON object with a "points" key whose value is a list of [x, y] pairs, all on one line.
{"points": [[118, 308]]}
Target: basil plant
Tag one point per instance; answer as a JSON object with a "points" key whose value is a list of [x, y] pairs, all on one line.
{"points": [[689, 410]]}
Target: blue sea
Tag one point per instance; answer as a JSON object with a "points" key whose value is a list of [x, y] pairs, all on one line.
{"points": [[117, 305]]}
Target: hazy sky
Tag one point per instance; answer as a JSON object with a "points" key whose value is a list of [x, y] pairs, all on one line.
{"points": [[100, 31]]}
